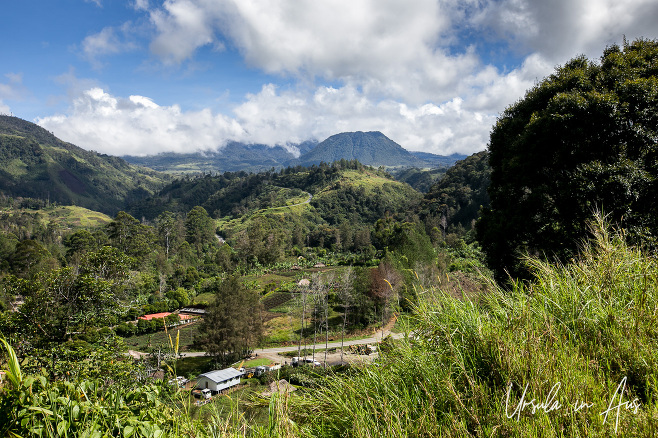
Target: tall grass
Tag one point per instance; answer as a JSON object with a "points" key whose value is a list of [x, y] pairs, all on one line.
{"points": [[580, 339]]}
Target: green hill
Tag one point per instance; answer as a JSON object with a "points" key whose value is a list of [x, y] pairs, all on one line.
{"points": [[369, 148], [303, 197], [36, 164]]}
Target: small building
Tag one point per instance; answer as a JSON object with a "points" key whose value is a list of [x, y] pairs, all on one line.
{"points": [[164, 315], [219, 380], [192, 310]]}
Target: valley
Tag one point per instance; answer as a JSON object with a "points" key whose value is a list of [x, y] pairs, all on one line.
{"points": [[517, 270]]}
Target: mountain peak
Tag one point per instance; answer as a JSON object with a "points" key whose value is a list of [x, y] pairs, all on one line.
{"points": [[370, 148]]}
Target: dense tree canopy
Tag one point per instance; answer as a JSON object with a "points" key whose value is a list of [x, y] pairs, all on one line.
{"points": [[455, 201], [583, 140]]}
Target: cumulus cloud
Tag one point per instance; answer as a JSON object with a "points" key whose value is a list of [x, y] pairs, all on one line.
{"points": [[561, 29], [183, 26], [389, 48], [269, 117], [137, 125], [413, 70]]}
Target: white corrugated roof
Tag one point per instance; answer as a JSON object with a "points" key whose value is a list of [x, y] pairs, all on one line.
{"points": [[221, 375]]}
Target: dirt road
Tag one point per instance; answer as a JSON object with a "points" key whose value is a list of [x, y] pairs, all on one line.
{"points": [[332, 358]]}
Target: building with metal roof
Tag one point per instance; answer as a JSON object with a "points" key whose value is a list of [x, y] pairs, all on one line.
{"points": [[219, 380]]}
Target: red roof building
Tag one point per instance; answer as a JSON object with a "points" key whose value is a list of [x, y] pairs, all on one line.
{"points": [[164, 315]]}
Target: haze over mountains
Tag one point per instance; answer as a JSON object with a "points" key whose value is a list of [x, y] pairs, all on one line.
{"points": [[369, 148]]}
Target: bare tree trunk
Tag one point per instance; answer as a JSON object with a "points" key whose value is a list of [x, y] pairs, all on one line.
{"points": [[315, 326], [342, 334], [326, 325], [346, 284], [301, 330]]}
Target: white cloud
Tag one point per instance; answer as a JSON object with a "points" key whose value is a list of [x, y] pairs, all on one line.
{"points": [[13, 89], [109, 41], [561, 29], [138, 126], [96, 2], [388, 48], [402, 68], [141, 5], [183, 26]]}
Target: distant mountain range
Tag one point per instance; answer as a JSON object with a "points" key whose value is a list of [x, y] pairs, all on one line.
{"points": [[370, 148], [233, 157], [36, 164]]}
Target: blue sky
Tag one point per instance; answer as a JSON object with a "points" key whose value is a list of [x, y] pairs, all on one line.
{"points": [[144, 76]]}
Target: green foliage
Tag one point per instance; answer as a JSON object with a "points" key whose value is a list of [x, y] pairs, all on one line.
{"points": [[262, 242], [79, 243], [233, 195], [66, 300], [420, 179], [34, 163], [31, 257], [586, 327], [199, 228], [232, 325], [170, 231], [456, 200], [39, 407], [407, 240], [363, 200], [583, 140], [128, 235]]}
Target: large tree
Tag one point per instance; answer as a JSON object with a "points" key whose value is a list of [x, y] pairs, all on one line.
{"points": [[232, 325], [581, 141]]}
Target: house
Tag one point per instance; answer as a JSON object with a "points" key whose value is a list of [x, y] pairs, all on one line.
{"points": [[219, 380], [181, 318]]}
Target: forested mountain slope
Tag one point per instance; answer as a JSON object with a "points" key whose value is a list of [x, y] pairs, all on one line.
{"points": [[460, 194], [34, 163], [339, 191]]}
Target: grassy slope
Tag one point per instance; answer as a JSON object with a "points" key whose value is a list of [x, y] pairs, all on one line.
{"points": [[296, 208], [65, 216], [572, 336], [74, 217]]}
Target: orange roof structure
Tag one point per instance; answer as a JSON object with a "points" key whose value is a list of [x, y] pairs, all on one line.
{"points": [[163, 315]]}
